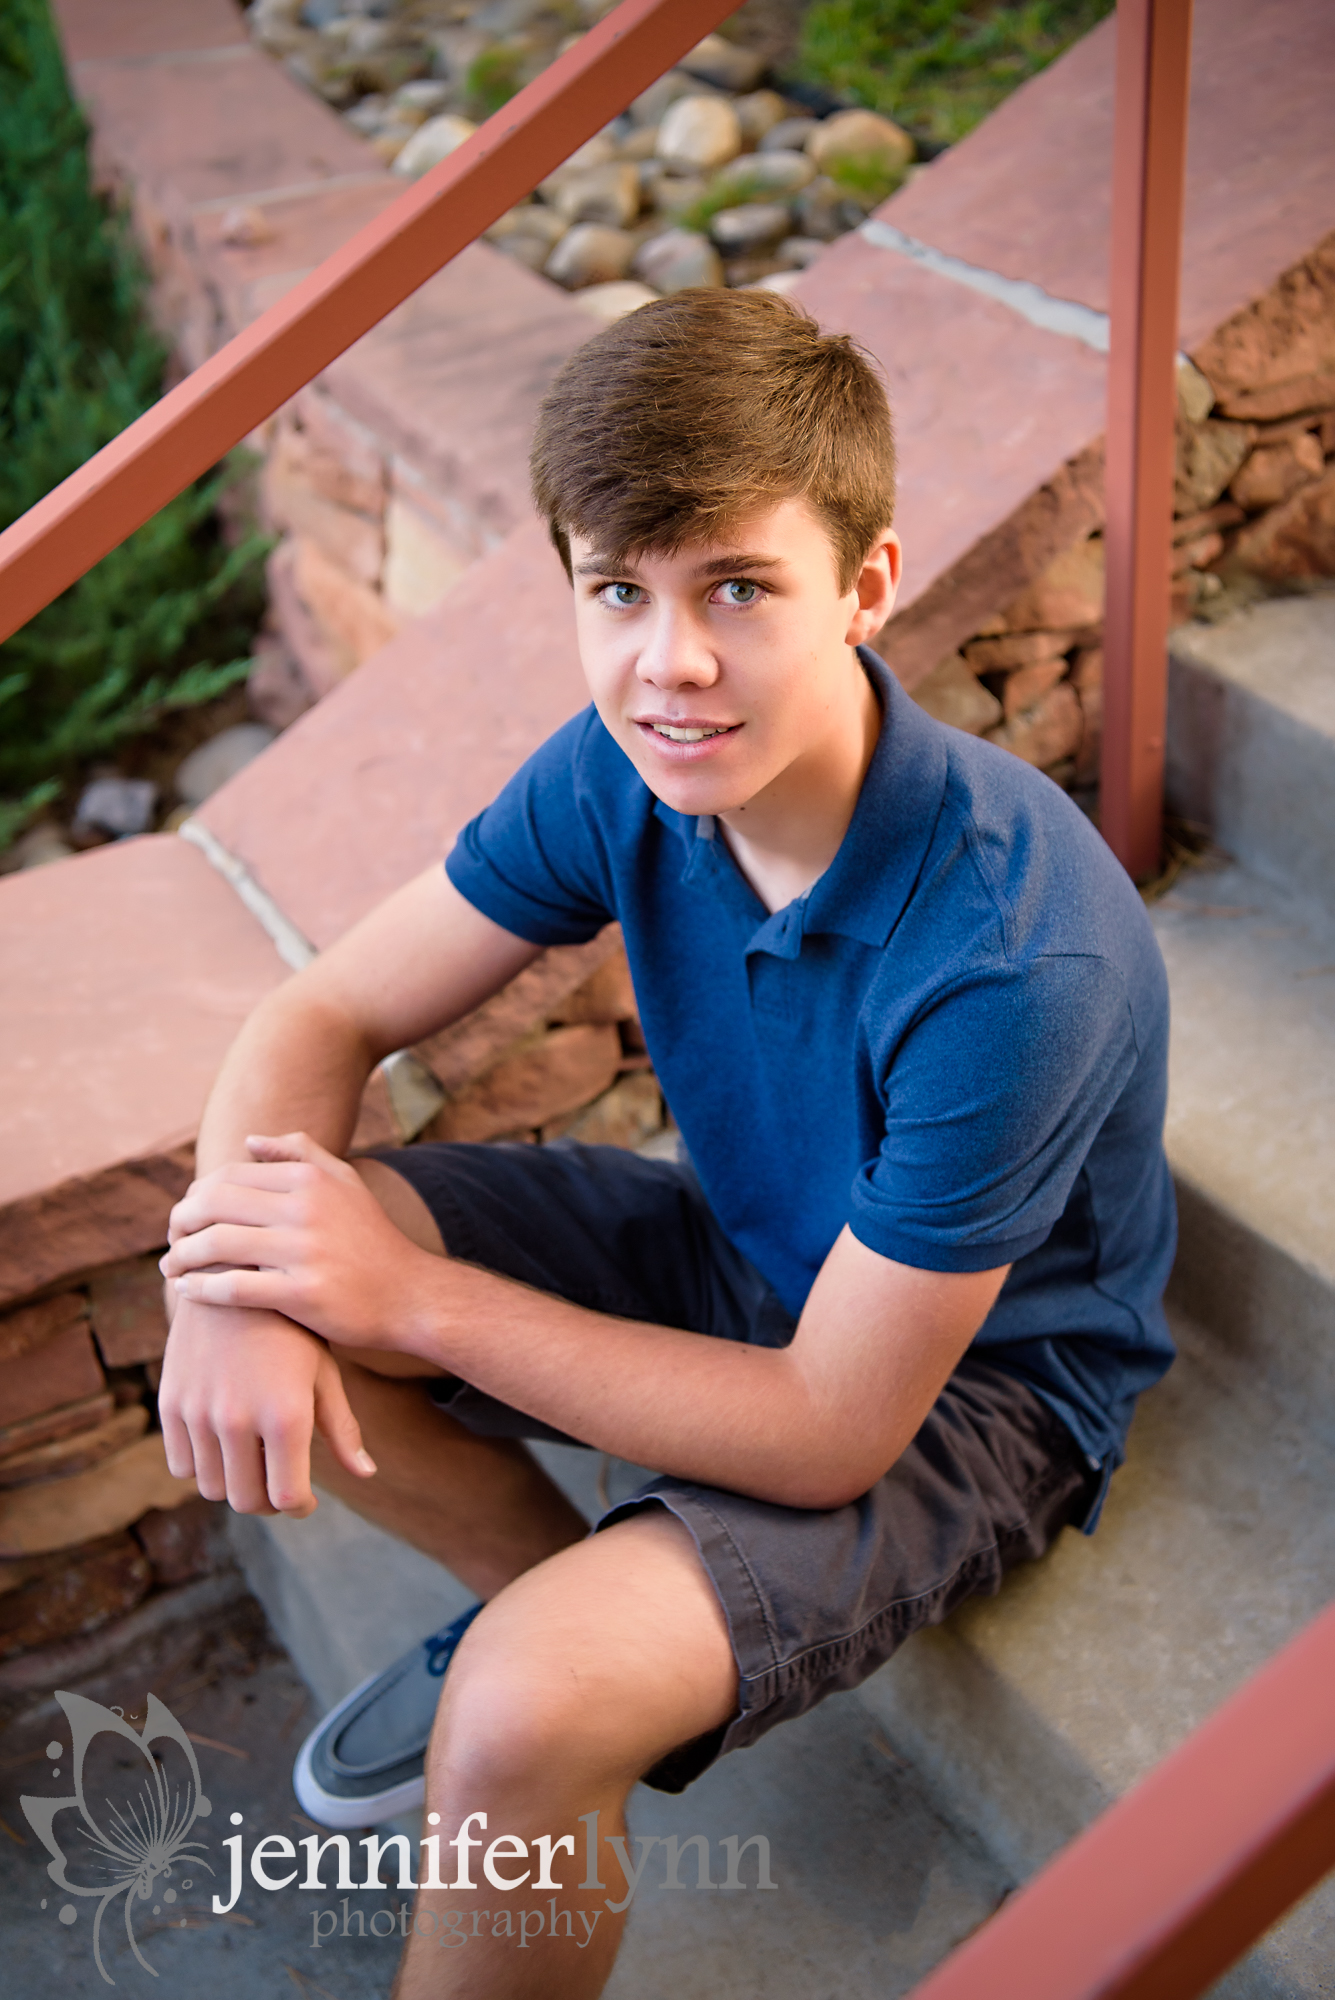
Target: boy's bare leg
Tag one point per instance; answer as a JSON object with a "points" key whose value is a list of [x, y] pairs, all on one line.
{"points": [[571, 1684], [595, 1657], [481, 1506]]}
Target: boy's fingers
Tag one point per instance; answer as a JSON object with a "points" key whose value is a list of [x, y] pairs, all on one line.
{"points": [[287, 1469], [297, 1147], [231, 1244], [265, 1291], [176, 1443], [243, 1464], [233, 1201], [337, 1425], [206, 1452]]}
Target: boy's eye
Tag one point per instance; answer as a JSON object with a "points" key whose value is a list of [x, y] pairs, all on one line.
{"points": [[620, 595], [738, 591]]}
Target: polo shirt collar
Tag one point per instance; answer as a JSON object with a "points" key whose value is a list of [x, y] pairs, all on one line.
{"points": [[863, 892]]}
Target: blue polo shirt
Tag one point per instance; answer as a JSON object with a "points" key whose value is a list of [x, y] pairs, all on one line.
{"points": [[955, 1044]]}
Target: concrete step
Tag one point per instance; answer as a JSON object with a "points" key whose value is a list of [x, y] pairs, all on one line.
{"points": [[1251, 740], [875, 1881], [1251, 1129], [1030, 1712]]}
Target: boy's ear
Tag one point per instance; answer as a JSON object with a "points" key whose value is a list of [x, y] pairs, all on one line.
{"points": [[876, 585]]}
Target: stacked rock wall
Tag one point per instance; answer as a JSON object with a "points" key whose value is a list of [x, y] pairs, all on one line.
{"points": [[1253, 513]]}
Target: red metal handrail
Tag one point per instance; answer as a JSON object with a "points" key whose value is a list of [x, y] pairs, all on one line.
{"points": [[159, 455], [1149, 174], [1176, 1880]]}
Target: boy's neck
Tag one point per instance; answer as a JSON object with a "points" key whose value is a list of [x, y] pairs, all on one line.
{"points": [[785, 838]]}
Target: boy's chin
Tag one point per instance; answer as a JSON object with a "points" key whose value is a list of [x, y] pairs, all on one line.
{"points": [[696, 797]]}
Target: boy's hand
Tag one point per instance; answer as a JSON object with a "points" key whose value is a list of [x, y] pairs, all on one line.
{"points": [[295, 1231], [240, 1395]]}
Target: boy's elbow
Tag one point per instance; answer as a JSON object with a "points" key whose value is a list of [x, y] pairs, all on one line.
{"points": [[827, 1482]]}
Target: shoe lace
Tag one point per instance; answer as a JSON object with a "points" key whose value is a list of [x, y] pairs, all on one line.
{"points": [[441, 1645]]}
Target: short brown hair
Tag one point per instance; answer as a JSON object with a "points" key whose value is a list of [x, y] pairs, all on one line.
{"points": [[689, 413]]}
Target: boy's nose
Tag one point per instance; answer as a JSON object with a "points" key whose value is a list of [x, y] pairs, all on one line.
{"points": [[677, 653]]}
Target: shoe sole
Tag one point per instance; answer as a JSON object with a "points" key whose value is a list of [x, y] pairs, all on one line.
{"points": [[339, 1812]]}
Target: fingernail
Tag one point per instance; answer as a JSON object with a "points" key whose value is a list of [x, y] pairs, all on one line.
{"points": [[364, 1462]]}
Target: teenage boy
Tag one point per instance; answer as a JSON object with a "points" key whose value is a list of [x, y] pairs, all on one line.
{"points": [[910, 1017]]}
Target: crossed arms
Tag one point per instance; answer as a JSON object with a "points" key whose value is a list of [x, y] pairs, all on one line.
{"points": [[279, 1251]]}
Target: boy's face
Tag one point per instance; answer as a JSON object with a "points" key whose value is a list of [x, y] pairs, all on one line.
{"points": [[728, 668]]}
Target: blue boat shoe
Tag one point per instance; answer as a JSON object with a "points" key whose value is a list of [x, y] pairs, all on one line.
{"points": [[364, 1763]]}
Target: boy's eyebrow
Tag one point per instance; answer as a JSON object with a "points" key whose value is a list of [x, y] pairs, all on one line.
{"points": [[726, 565]]}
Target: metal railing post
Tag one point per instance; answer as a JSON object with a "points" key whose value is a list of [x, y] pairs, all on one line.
{"points": [[1149, 171]]}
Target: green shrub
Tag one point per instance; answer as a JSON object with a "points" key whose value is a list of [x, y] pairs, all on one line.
{"points": [[937, 66], [166, 620]]}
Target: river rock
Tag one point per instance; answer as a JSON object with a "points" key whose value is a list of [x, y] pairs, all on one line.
{"points": [[614, 300], [672, 194], [368, 114], [118, 806], [425, 97], [799, 253], [652, 105], [638, 145], [530, 251], [531, 218], [755, 226], [724, 64], [599, 151], [758, 113], [790, 135], [857, 136], [678, 259], [780, 281], [431, 143], [821, 209], [609, 194], [205, 770], [698, 133], [590, 254], [764, 176]]}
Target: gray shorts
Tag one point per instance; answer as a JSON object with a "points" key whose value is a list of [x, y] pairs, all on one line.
{"points": [[815, 1601]]}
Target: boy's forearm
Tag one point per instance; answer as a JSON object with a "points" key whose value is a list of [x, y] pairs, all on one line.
{"points": [[299, 1063], [717, 1411]]}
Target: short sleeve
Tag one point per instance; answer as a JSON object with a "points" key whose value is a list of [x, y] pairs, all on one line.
{"points": [[532, 861], [992, 1102]]}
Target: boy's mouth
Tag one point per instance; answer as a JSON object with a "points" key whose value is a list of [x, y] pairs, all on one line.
{"points": [[686, 735], [683, 732]]}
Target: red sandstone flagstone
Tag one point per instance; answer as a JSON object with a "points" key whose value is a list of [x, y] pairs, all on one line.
{"points": [[126, 972], [372, 786], [94, 30], [190, 131], [306, 229]]}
